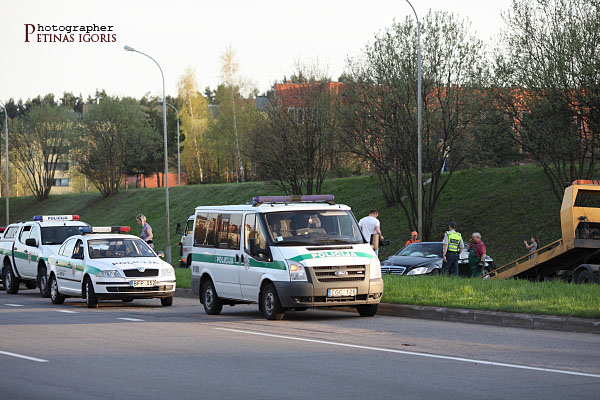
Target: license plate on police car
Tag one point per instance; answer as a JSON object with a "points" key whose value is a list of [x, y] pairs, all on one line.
{"points": [[142, 283], [341, 292]]}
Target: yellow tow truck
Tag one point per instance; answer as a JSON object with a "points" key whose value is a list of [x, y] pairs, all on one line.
{"points": [[576, 256]]}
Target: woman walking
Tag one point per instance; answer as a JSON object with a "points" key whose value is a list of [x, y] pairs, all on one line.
{"points": [[146, 234]]}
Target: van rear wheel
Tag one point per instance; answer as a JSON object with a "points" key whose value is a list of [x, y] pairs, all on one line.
{"points": [[271, 306], [211, 301]]}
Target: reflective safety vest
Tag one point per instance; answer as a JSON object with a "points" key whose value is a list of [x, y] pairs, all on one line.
{"points": [[454, 239]]}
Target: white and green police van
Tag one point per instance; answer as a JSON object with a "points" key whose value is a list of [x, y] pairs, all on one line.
{"points": [[283, 252]]}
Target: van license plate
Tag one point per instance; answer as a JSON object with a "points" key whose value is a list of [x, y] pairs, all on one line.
{"points": [[341, 292], [143, 283]]}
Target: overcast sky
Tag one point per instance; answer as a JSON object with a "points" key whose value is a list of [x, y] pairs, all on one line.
{"points": [[268, 36]]}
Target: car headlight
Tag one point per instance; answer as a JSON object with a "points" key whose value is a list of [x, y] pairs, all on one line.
{"points": [[418, 271], [375, 269], [297, 271], [113, 273], [169, 271]]}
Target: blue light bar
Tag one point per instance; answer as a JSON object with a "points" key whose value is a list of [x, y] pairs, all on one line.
{"points": [[309, 198], [37, 218], [104, 229], [85, 229], [51, 218]]}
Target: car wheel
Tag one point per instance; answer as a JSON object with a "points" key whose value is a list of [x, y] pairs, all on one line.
{"points": [[211, 301], [367, 310], [271, 306], [43, 283], [11, 281], [586, 276], [90, 295], [166, 301], [300, 308], [30, 284], [55, 296], [435, 272]]}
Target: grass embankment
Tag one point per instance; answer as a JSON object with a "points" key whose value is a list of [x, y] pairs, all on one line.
{"points": [[555, 298]]}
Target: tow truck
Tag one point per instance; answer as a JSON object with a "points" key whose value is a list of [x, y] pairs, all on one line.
{"points": [[26, 246], [576, 256]]}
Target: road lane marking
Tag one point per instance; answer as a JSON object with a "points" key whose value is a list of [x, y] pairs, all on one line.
{"points": [[132, 319], [23, 357], [412, 353], [68, 311], [14, 305]]}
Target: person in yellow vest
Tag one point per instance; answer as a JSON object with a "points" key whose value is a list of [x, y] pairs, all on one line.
{"points": [[453, 246]]}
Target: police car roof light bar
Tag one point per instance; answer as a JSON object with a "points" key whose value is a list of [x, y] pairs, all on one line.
{"points": [[57, 218], [309, 198], [104, 229]]}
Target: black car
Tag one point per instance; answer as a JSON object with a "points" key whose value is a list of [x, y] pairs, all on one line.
{"points": [[425, 258]]}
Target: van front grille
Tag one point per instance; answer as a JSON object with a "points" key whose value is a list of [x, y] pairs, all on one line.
{"points": [[340, 273]]}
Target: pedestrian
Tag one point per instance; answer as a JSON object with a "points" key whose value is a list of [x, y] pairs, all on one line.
{"points": [[453, 246], [370, 225], [532, 248], [477, 251], [414, 238], [146, 234]]}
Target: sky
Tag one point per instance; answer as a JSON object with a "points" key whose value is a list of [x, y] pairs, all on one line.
{"points": [[268, 37]]}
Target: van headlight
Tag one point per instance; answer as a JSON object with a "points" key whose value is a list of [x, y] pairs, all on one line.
{"points": [[375, 268], [297, 271], [113, 273]]}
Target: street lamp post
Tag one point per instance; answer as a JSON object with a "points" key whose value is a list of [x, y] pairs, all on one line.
{"points": [[6, 146], [419, 119], [178, 155], [164, 103]]}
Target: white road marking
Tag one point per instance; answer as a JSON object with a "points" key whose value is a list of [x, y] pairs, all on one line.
{"points": [[412, 353], [68, 311], [23, 357], [132, 319], [15, 305]]}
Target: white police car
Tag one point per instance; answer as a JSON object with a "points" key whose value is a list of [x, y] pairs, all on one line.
{"points": [[105, 263]]}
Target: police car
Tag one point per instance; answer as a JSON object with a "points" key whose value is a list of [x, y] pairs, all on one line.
{"points": [[105, 263], [26, 246]]}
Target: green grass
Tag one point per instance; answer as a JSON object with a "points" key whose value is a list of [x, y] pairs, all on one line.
{"points": [[183, 276], [555, 298]]}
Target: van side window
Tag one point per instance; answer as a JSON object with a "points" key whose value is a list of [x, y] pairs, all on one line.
{"points": [[254, 230], [228, 231], [189, 227], [205, 230]]}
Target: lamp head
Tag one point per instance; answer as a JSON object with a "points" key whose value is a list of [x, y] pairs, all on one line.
{"points": [[127, 48]]}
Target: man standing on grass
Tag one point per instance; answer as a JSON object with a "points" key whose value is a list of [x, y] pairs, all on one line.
{"points": [[453, 245], [477, 252], [370, 225]]}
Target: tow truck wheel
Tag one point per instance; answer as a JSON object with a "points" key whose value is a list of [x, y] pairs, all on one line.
{"points": [[367, 310], [271, 306], [586, 276], [211, 301], [55, 296], [90, 295], [166, 301], [10, 280], [43, 283]]}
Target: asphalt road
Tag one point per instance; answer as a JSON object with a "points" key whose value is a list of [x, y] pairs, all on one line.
{"points": [[141, 350]]}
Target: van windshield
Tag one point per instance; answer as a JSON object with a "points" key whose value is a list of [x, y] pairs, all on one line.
{"points": [[315, 227]]}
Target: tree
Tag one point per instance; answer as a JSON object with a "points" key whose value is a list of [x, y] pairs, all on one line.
{"points": [[380, 112], [195, 119], [294, 144], [42, 140], [548, 79], [114, 135]]}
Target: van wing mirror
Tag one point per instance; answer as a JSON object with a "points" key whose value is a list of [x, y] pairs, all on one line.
{"points": [[375, 241], [31, 242], [178, 228]]}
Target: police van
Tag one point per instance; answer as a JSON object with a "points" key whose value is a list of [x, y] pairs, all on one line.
{"points": [[283, 252]]}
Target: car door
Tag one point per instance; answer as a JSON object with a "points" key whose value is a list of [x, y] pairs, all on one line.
{"points": [[64, 273], [227, 256], [33, 252], [252, 267], [21, 252], [77, 265]]}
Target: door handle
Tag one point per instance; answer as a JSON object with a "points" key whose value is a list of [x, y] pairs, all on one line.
{"points": [[237, 258], [25, 251]]}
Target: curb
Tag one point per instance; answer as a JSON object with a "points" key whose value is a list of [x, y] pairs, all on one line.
{"points": [[496, 318]]}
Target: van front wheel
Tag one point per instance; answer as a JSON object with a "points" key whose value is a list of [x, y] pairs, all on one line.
{"points": [[271, 306]]}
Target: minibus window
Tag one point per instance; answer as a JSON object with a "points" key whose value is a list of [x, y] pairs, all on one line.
{"points": [[254, 230], [204, 234]]}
